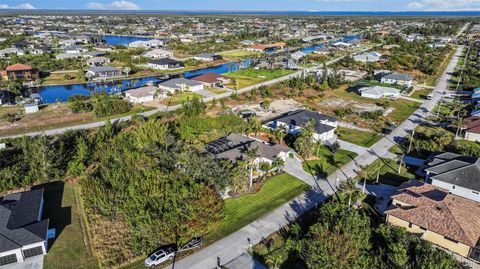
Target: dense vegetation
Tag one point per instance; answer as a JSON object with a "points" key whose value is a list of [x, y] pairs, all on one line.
{"points": [[100, 103], [339, 236]]}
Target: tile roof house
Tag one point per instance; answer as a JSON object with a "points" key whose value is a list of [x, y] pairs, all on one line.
{"points": [[23, 232], [294, 121], [446, 220], [20, 71], [212, 79], [458, 174]]}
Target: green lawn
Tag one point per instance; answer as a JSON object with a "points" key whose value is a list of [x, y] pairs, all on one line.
{"points": [[403, 109], [69, 249], [215, 90], [328, 162], [240, 54], [421, 94], [364, 139], [245, 209], [250, 76], [388, 172], [179, 98]]}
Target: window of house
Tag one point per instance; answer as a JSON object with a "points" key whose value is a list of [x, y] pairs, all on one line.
{"points": [[31, 252], [410, 225]]}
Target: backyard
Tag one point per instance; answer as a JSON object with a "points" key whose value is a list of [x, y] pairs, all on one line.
{"points": [[364, 139], [387, 169], [327, 162], [69, 249]]}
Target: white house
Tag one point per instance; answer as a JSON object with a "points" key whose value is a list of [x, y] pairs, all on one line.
{"points": [[398, 79], [181, 84], [458, 174], [141, 95], [98, 61], [31, 108], [75, 49], [23, 232], [368, 57], [377, 92], [472, 129], [165, 64], [158, 54], [207, 57], [294, 121], [103, 72]]}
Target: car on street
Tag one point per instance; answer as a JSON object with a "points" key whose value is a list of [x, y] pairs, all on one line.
{"points": [[160, 256], [430, 96]]}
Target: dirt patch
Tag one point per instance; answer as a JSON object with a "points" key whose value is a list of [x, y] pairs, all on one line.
{"points": [[276, 108], [334, 103]]}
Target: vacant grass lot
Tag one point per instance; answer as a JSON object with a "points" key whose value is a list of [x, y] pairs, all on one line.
{"points": [[357, 137], [388, 170], [240, 54], [243, 210], [403, 109], [179, 98], [328, 162], [249, 76], [421, 94], [69, 249]]}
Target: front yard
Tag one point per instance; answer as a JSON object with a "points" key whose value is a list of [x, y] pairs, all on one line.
{"points": [[249, 76], [388, 172], [327, 162], [364, 139]]}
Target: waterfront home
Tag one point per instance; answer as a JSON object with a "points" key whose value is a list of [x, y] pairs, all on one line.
{"points": [[141, 95], [75, 49], [181, 85], [8, 52], [377, 92], [98, 61], [154, 43], [398, 79], [368, 57], [103, 72], [294, 121], [158, 54], [457, 174], [207, 57], [322, 51], [446, 220], [23, 232], [19, 71], [63, 56], [165, 64], [212, 79]]}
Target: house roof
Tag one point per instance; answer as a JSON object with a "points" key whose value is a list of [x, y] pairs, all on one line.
{"points": [[438, 211], [165, 61], [210, 77], [399, 76], [19, 67], [301, 117], [472, 125], [142, 91], [98, 69], [177, 82], [455, 169], [19, 220], [379, 90]]}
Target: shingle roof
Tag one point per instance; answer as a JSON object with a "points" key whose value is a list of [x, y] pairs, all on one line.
{"points": [[176, 82], [165, 61], [142, 91], [301, 117], [19, 225], [399, 76], [436, 210], [455, 169]]}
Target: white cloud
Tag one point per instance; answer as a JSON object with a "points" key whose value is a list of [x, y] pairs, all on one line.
{"points": [[115, 5], [20, 6], [445, 5]]}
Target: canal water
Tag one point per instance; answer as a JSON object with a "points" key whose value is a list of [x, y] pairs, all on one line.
{"points": [[122, 40], [61, 93]]}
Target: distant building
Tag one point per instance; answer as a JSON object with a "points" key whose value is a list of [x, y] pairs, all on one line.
{"points": [[472, 129], [103, 72], [207, 57], [294, 121], [457, 174], [141, 95], [23, 232], [297, 55], [368, 57], [377, 92], [322, 51], [98, 61], [19, 72], [446, 220], [398, 79], [158, 54], [212, 79], [165, 64], [181, 85]]}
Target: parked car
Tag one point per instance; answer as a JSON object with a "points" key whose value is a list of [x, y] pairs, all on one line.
{"points": [[160, 256], [430, 96]]}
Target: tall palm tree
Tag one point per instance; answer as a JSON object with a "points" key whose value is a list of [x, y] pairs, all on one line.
{"points": [[252, 154], [274, 261], [349, 187]]}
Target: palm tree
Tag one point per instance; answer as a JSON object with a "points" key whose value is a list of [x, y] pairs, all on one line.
{"points": [[252, 154], [349, 187], [274, 261]]}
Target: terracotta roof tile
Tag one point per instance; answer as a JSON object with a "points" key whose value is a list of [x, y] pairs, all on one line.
{"points": [[19, 67]]}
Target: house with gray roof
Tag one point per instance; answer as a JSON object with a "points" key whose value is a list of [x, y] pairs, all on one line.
{"points": [[207, 57], [294, 121], [377, 92], [458, 174], [23, 232], [181, 85], [398, 79], [97, 72]]}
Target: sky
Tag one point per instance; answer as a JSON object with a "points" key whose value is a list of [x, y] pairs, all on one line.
{"points": [[245, 5]]}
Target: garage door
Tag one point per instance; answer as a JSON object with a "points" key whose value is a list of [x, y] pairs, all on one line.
{"points": [[8, 259], [27, 253]]}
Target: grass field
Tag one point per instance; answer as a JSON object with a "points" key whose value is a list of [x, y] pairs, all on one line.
{"points": [[179, 98], [215, 90], [69, 249], [432, 80], [328, 162], [249, 76], [388, 172], [357, 137], [403, 109], [240, 54], [243, 210], [421, 94]]}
